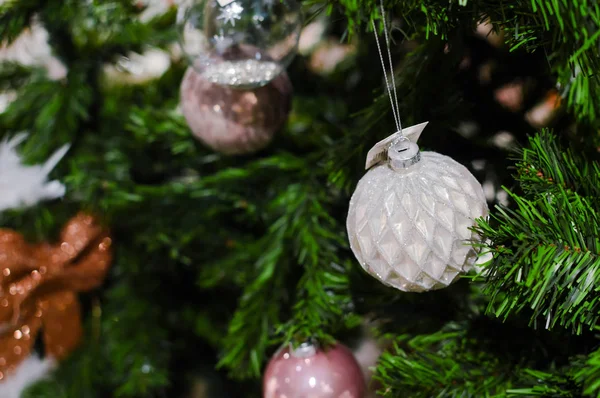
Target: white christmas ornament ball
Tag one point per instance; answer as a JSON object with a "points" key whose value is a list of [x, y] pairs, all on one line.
{"points": [[409, 220]]}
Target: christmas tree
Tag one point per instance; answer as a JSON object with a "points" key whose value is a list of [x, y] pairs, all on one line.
{"points": [[179, 226]]}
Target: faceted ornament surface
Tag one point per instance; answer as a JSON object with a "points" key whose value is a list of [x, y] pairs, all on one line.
{"points": [[411, 228]]}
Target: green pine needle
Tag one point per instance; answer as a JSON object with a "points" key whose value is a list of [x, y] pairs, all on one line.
{"points": [[546, 248]]}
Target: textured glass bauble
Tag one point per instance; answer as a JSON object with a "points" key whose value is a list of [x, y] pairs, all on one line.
{"points": [[240, 43], [234, 121], [410, 227], [310, 372]]}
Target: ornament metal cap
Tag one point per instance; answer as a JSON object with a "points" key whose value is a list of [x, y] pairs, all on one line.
{"points": [[380, 152], [403, 153], [305, 350]]}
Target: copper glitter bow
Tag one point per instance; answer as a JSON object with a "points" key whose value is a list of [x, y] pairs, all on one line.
{"points": [[38, 285]]}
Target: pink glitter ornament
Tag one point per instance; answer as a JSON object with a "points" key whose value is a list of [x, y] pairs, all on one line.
{"points": [[232, 120], [309, 372]]}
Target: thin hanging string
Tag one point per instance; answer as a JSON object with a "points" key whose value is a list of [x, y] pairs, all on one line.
{"points": [[394, 99], [389, 51]]}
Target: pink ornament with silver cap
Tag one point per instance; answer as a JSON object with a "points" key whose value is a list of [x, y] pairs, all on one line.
{"points": [[311, 372]]}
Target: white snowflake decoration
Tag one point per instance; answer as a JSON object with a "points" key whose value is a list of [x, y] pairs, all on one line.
{"points": [[230, 13], [139, 68], [31, 48], [222, 43], [24, 185]]}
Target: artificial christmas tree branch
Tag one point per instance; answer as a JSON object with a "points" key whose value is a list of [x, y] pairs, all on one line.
{"points": [[546, 384], [243, 254], [249, 331], [567, 31], [323, 299], [447, 363], [56, 108], [14, 75], [545, 166], [464, 359], [129, 336], [546, 250], [586, 372]]}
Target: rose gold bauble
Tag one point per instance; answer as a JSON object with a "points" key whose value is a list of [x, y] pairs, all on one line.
{"points": [[234, 121], [310, 372]]}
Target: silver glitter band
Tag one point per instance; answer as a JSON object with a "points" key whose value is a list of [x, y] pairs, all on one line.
{"points": [[242, 74]]}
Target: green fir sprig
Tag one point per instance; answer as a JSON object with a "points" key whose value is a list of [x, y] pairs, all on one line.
{"points": [[546, 247], [446, 363]]}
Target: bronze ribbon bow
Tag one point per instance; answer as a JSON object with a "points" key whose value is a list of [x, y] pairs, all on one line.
{"points": [[38, 286]]}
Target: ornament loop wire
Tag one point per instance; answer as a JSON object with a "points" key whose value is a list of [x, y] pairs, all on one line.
{"points": [[400, 138], [394, 99]]}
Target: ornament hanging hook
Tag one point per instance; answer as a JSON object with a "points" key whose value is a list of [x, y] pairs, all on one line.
{"points": [[394, 98]]}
